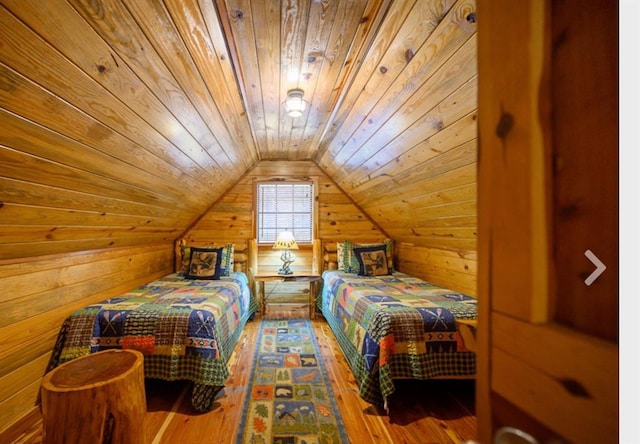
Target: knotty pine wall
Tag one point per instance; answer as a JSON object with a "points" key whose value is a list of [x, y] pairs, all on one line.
{"points": [[37, 295], [447, 268], [452, 265], [232, 217], [407, 151]]}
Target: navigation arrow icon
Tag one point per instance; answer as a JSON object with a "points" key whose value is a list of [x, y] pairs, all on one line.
{"points": [[600, 267]]}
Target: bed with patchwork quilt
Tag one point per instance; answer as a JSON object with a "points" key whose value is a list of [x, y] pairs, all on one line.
{"points": [[396, 326], [185, 326]]}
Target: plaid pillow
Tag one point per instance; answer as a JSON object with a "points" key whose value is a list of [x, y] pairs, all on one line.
{"points": [[227, 264]]}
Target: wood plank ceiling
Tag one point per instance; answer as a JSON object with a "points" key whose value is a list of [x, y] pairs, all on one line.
{"points": [[122, 121]]}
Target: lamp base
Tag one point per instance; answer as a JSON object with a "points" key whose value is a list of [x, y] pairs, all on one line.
{"points": [[287, 259]]}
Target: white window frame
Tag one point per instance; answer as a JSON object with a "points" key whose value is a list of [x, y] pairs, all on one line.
{"points": [[304, 232]]}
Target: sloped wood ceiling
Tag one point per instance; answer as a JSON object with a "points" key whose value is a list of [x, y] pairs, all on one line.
{"points": [[403, 143], [122, 121]]}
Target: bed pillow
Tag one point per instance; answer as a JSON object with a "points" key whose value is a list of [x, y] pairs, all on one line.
{"points": [[226, 264], [351, 264], [372, 260], [185, 253], [204, 263], [340, 255]]}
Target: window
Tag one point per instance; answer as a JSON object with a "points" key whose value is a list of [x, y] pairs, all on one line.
{"points": [[284, 206]]}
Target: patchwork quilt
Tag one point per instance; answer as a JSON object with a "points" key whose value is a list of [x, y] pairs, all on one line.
{"points": [[396, 326], [185, 328]]}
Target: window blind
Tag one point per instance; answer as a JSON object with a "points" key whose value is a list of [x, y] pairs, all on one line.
{"points": [[284, 206]]}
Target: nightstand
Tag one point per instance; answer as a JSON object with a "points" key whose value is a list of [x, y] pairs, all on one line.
{"points": [[313, 280]]}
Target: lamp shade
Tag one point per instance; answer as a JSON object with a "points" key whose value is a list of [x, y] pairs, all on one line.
{"points": [[295, 104], [285, 241]]}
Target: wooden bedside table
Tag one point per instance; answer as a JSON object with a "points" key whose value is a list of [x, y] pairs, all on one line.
{"points": [[313, 280]]}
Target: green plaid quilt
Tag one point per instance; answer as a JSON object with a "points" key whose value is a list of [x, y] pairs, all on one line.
{"points": [[396, 326], [185, 328]]}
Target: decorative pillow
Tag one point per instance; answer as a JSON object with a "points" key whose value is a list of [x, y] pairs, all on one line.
{"points": [[204, 263], [226, 264], [186, 257], [372, 260], [351, 264], [340, 254]]}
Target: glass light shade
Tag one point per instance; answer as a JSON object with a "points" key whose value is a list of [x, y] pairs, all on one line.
{"points": [[295, 104], [285, 241]]}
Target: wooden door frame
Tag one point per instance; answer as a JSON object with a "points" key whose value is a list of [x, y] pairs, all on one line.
{"points": [[514, 222]]}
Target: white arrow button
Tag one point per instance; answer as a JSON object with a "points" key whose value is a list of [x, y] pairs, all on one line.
{"points": [[600, 267]]}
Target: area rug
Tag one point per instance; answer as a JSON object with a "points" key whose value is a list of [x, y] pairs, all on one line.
{"points": [[289, 399]]}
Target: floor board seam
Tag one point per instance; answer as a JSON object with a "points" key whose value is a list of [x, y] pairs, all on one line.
{"points": [[158, 438]]}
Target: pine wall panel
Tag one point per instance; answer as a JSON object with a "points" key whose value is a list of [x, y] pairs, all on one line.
{"points": [[232, 218], [39, 293], [447, 257]]}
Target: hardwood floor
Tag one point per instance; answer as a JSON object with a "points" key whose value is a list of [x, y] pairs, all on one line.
{"points": [[421, 412]]}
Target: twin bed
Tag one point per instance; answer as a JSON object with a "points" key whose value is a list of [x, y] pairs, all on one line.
{"points": [[393, 326], [389, 325], [186, 324]]}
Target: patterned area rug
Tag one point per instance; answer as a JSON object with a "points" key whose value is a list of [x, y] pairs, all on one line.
{"points": [[289, 400]]}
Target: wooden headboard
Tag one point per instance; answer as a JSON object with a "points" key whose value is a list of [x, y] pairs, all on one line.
{"points": [[329, 255]]}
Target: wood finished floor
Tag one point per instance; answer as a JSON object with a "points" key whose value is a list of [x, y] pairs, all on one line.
{"points": [[421, 412]]}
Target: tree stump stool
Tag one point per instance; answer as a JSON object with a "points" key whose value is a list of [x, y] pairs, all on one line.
{"points": [[98, 398]]}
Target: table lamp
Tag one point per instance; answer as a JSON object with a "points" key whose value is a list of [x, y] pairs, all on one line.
{"points": [[286, 242]]}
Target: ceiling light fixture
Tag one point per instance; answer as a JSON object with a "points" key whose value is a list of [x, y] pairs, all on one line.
{"points": [[295, 104]]}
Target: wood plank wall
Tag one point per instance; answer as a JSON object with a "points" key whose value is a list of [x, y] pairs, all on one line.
{"points": [[442, 267], [339, 218], [407, 151], [232, 217], [37, 295], [102, 142]]}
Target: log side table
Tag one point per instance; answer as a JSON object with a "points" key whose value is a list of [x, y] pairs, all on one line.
{"points": [[98, 398]]}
